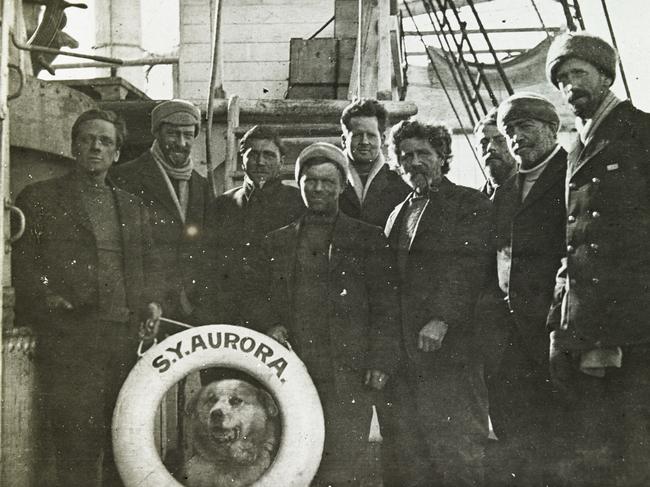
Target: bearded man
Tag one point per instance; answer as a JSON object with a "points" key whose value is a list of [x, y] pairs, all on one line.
{"points": [[177, 197]]}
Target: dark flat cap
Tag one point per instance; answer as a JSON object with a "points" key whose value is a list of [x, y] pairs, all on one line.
{"points": [[526, 105]]}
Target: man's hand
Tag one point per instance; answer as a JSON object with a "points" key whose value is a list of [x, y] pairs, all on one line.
{"points": [[150, 326], [431, 335], [280, 334], [54, 302], [375, 379]]}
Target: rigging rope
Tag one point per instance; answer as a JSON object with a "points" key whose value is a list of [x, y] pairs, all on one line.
{"points": [[620, 63], [444, 89], [541, 20]]}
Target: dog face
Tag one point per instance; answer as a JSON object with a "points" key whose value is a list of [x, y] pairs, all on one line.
{"points": [[233, 421]]}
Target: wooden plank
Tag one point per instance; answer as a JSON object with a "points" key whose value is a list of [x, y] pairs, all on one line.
{"points": [[384, 61], [346, 58], [279, 14], [256, 71], [396, 54], [268, 32], [313, 61], [346, 19], [311, 92], [363, 81], [231, 141], [257, 51], [268, 89]]}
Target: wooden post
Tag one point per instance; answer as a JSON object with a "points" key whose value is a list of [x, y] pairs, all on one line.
{"points": [[372, 67], [384, 67], [363, 79], [231, 141]]}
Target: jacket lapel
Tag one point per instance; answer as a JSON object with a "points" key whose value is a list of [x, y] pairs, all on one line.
{"points": [[285, 245], [609, 130], [156, 187], [70, 200]]}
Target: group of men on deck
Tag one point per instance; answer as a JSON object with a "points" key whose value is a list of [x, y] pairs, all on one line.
{"points": [[525, 303]]}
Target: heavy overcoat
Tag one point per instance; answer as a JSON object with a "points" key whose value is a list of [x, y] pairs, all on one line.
{"points": [[604, 284], [529, 240], [237, 227], [362, 294], [445, 269], [57, 255], [179, 245]]}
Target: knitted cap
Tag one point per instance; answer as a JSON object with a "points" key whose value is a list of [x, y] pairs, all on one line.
{"points": [[526, 105], [584, 46], [176, 112], [325, 152]]}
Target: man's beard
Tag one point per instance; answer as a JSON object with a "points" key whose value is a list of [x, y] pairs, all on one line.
{"points": [[177, 156], [585, 109]]}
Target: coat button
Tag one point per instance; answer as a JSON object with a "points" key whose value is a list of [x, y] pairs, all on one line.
{"points": [[595, 214], [571, 218], [573, 185], [570, 249], [595, 180]]}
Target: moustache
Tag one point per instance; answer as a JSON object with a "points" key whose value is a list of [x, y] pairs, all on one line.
{"points": [[575, 94], [177, 148]]}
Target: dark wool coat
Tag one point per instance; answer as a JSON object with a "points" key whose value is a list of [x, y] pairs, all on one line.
{"points": [[236, 228], [58, 253], [529, 240], [604, 285], [445, 269], [386, 191], [179, 245], [362, 295]]}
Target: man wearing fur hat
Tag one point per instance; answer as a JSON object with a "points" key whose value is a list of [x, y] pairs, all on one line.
{"points": [[176, 196], [529, 218], [332, 291], [600, 340]]}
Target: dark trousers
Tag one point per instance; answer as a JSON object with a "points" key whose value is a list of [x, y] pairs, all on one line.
{"points": [[81, 366], [606, 423], [523, 410], [435, 426], [348, 457]]}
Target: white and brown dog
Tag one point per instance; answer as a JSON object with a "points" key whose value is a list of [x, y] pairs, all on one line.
{"points": [[234, 427]]}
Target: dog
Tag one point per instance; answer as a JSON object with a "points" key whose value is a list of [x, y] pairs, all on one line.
{"points": [[234, 433]]}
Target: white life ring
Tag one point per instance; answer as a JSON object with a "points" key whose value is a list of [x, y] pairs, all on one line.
{"points": [[162, 366]]}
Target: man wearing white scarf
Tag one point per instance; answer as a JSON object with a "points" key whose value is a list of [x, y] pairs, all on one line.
{"points": [[373, 189], [177, 197]]}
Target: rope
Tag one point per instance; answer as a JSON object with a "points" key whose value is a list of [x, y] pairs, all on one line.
{"points": [[541, 20], [444, 89], [620, 63]]}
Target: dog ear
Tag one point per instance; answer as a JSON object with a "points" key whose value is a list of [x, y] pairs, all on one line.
{"points": [[190, 406], [269, 403]]}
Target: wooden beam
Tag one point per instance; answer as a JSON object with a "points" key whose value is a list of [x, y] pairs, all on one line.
{"points": [[363, 82], [384, 54]]}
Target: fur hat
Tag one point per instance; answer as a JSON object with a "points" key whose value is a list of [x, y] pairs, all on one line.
{"points": [[324, 152], [580, 45], [176, 112], [526, 105]]}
